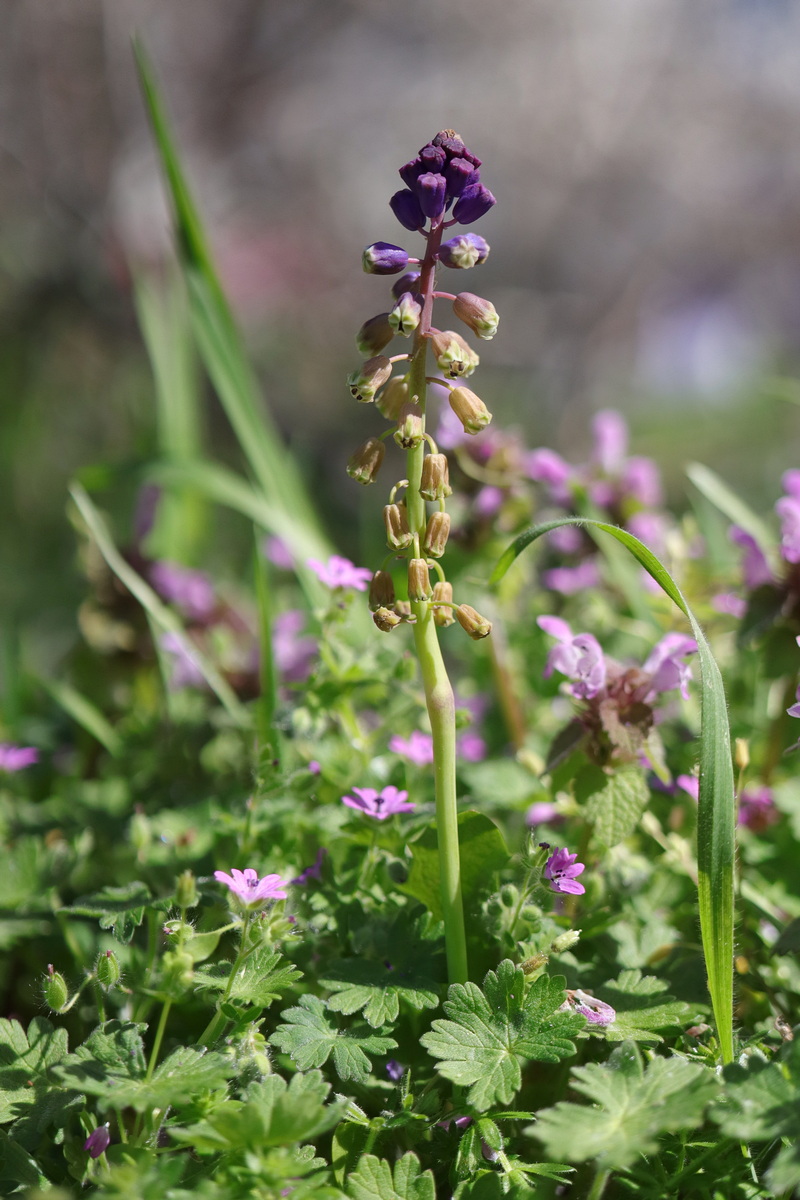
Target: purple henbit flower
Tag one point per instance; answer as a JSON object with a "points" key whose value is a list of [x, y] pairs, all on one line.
{"points": [[755, 567], [665, 668], [610, 440], [562, 871], [568, 581], [542, 812], [689, 784], [339, 572], [190, 591], [98, 1141], [379, 805], [418, 748], [251, 891], [579, 658], [314, 871], [16, 758], [788, 509]]}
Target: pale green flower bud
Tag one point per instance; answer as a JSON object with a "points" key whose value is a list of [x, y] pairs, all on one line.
{"points": [[435, 481], [410, 427], [479, 314], [56, 992], [366, 461], [472, 622], [390, 401], [419, 583], [108, 970], [565, 941], [374, 335], [406, 315], [437, 532], [369, 378], [398, 534], [186, 893], [442, 595], [470, 410], [453, 355]]}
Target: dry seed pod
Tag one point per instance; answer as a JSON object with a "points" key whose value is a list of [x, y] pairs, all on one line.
{"points": [[437, 532], [472, 622]]}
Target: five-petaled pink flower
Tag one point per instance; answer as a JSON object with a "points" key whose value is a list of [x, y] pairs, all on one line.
{"points": [[379, 805], [339, 572], [14, 758], [562, 871], [249, 889], [418, 748]]}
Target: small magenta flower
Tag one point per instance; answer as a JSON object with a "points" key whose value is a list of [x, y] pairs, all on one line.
{"points": [[579, 657], [562, 870], [757, 809], [190, 591], [251, 891], [339, 572], [379, 805], [314, 871], [755, 567], [664, 666], [471, 746], [418, 748], [98, 1141], [568, 581], [395, 1070], [16, 758], [596, 1012], [543, 812], [294, 655]]}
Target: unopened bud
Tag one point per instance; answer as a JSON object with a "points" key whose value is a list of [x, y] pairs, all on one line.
{"points": [[178, 967], [405, 316], [386, 620], [374, 334], [470, 409], [391, 399], [741, 755], [473, 203], [479, 314], [565, 941], [366, 462], [108, 970], [56, 993], [435, 480], [410, 427], [443, 595], [437, 531], [186, 893], [366, 381], [381, 591], [398, 534], [406, 207], [464, 251], [472, 622], [382, 258], [419, 583], [406, 283], [453, 355], [534, 963]]}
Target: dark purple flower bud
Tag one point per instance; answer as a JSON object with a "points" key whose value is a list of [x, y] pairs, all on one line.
{"points": [[98, 1141], [433, 158], [406, 283], [473, 203], [458, 174], [412, 170], [431, 190], [464, 251], [382, 258], [406, 208], [453, 146]]}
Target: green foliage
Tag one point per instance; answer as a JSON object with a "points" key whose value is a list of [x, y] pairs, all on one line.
{"points": [[120, 909], [483, 853], [631, 1105], [488, 1031], [263, 977], [376, 1179], [311, 1039], [613, 802], [642, 1005], [376, 990]]}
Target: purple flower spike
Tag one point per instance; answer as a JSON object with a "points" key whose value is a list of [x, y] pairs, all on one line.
{"points": [[98, 1141], [473, 203], [464, 251], [418, 748], [664, 665], [579, 657], [459, 173], [379, 805], [339, 572], [15, 758], [431, 192], [562, 871], [406, 207], [382, 258], [251, 891]]}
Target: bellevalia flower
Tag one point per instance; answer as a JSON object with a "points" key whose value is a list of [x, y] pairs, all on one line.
{"points": [[379, 805], [249, 889], [339, 572], [561, 869]]}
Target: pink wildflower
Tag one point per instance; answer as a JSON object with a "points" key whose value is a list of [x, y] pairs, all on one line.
{"points": [[379, 805], [249, 889], [418, 748], [339, 572], [562, 871], [98, 1141], [14, 758]]}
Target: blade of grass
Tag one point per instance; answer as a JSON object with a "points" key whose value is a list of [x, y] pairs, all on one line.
{"points": [[268, 737], [84, 713], [726, 500], [716, 818], [163, 618]]}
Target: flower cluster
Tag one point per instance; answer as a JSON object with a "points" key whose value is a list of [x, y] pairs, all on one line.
{"points": [[757, 573], [444, 178], [618, 710]]}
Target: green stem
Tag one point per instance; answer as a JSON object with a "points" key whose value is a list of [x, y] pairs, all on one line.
{"points": [[154, 1053], [218, 1021], [598, 1184]]}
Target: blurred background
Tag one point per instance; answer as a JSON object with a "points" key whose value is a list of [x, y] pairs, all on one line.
{"points": [[645, 244]]}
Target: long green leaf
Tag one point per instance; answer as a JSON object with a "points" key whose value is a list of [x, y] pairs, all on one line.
{"points": [[732, 506], [163, 618], [716, 818], [86, 714]]}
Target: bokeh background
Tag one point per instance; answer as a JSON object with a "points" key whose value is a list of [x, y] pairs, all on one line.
{"points": [[645, 244]]}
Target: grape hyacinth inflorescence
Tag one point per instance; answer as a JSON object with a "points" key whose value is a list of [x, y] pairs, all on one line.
{"points": [[442, 189]]}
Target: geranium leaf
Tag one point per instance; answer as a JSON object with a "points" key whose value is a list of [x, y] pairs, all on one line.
{"points": [[310, 1039]]}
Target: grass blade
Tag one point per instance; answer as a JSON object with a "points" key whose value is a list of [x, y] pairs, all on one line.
{"points": [[163, 618], [716, 818], [84, 713], [726, 500]]}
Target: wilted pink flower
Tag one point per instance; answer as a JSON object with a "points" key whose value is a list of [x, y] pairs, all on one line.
{"points": [[249, 889], [339, 572], [98, 1141], [596, 1012], [379, 805], [14, 758], [190, 591], [418, 748], [579, 658], [562, 871]]}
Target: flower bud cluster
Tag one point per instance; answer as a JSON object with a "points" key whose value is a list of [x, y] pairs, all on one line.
{"points": [[442, 188]]}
